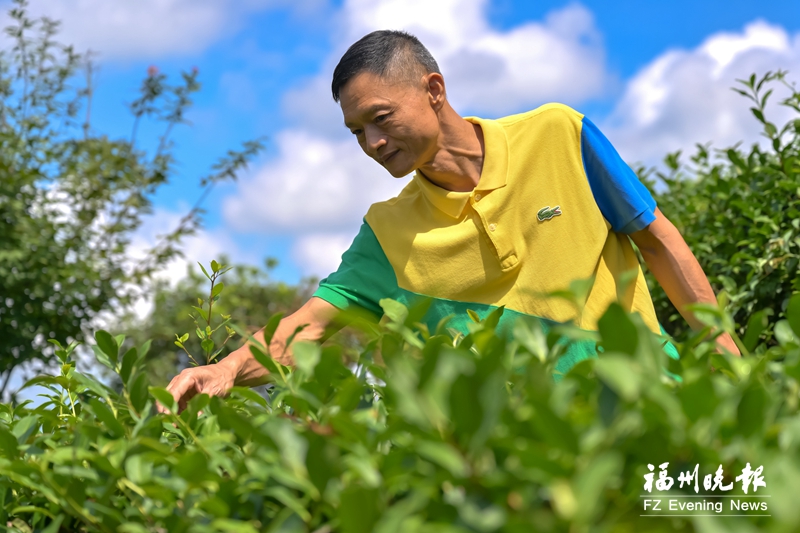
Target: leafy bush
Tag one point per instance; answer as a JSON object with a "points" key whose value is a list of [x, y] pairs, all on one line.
{"points": [[251, 297], [71, 198], [739, 212], [448, 435]]}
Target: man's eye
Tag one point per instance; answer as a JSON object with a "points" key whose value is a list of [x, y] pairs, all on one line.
{"points": [[356, 132], [381, 118]]}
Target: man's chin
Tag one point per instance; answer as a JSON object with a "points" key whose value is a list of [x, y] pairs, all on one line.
{"points": [[400, 172]]}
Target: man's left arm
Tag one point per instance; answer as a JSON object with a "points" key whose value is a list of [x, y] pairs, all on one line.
{"points": [[675, 267]]}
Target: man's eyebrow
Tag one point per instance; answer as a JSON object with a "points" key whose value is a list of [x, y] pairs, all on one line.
{"points": [[368, 111]]}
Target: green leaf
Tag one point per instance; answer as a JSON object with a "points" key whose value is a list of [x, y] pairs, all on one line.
{"points": [[102, 358], [217, 289], [751, 412], [617, 331], [138, 469], [698, 398], [193, 467], [164, 397], [393, 309], [617, 371], [108, 345], [531, 335], [204, 270], [8, 443], [93, 385], [207, 345], [793, 313], [24, 428], [474, 316], [271, 327], [132, 527], [145, 348], [306, 356], [265, 360], [55, 525], [589, 484], [756, 324], [350, 392], [784, 334], [202, 312], [445, 456], [358, 509], [249, 394], [229, 525], [128, 360], [215, 266], [138, 392], [104, 415]]}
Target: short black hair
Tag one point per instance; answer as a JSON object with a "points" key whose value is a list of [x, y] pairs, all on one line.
{"points": [[383, 52]]}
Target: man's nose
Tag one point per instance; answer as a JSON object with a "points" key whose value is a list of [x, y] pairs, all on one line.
{"points": [[374, 140]]}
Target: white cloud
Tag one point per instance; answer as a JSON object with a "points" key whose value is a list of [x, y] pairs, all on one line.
{"points": [[319, 253], [315, 184], [493, 71], [204, 246], [684, 97], [147, 29]]}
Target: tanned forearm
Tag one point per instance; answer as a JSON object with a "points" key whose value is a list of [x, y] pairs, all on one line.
{"points": [[675, 267], [316, 316]]}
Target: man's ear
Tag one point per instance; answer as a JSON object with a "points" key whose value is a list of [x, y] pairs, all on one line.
{"points": [[434, 83]]}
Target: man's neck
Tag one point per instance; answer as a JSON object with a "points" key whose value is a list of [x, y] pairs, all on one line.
{"points": [[458, 161]]}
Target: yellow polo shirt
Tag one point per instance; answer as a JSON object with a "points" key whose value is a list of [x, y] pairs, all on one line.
{"points": [[553, 204]]}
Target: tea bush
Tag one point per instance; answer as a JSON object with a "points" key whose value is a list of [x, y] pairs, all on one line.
{"points": [[739, 212], [470, 434], [251, 297]]}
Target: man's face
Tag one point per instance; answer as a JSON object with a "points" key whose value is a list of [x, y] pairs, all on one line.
{"points": [[395, 123]]}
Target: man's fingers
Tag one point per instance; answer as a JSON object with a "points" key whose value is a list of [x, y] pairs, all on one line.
{"points": [[194, 381], [183, 388]]}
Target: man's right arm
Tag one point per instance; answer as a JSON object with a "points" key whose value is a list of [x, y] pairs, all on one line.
{"points": [[240, 368]]}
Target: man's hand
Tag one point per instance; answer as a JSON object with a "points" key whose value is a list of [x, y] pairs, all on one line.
{"points": [[675, 267], [240, 368], [214, 380]]}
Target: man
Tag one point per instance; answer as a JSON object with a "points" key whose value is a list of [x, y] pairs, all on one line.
{"points": [[498, 212]]}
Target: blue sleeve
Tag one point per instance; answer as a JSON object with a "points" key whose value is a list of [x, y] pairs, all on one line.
{"points": [[624, 201]]}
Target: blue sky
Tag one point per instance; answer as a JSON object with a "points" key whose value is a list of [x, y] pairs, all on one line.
{"points": [[653, 75]]}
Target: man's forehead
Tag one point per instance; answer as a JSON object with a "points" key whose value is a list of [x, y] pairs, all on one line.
{"points": [[367, 93], [366, 85]]}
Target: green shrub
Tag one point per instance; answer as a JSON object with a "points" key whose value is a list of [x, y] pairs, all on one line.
{"points": [[71, 198], [446, 436], [251, 297], [739, 212]]}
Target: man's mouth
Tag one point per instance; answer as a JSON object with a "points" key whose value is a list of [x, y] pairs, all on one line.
{"points": [[387, 158]]}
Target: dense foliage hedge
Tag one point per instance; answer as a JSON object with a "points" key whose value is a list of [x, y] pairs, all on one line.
{"points": [[448, 435], [739, 212]]}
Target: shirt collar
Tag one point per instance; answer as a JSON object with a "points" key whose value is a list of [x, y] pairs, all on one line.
{"points": [[493, 174]]}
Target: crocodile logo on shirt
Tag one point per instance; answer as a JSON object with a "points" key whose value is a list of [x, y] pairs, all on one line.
{"points": [[546, 213]]}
